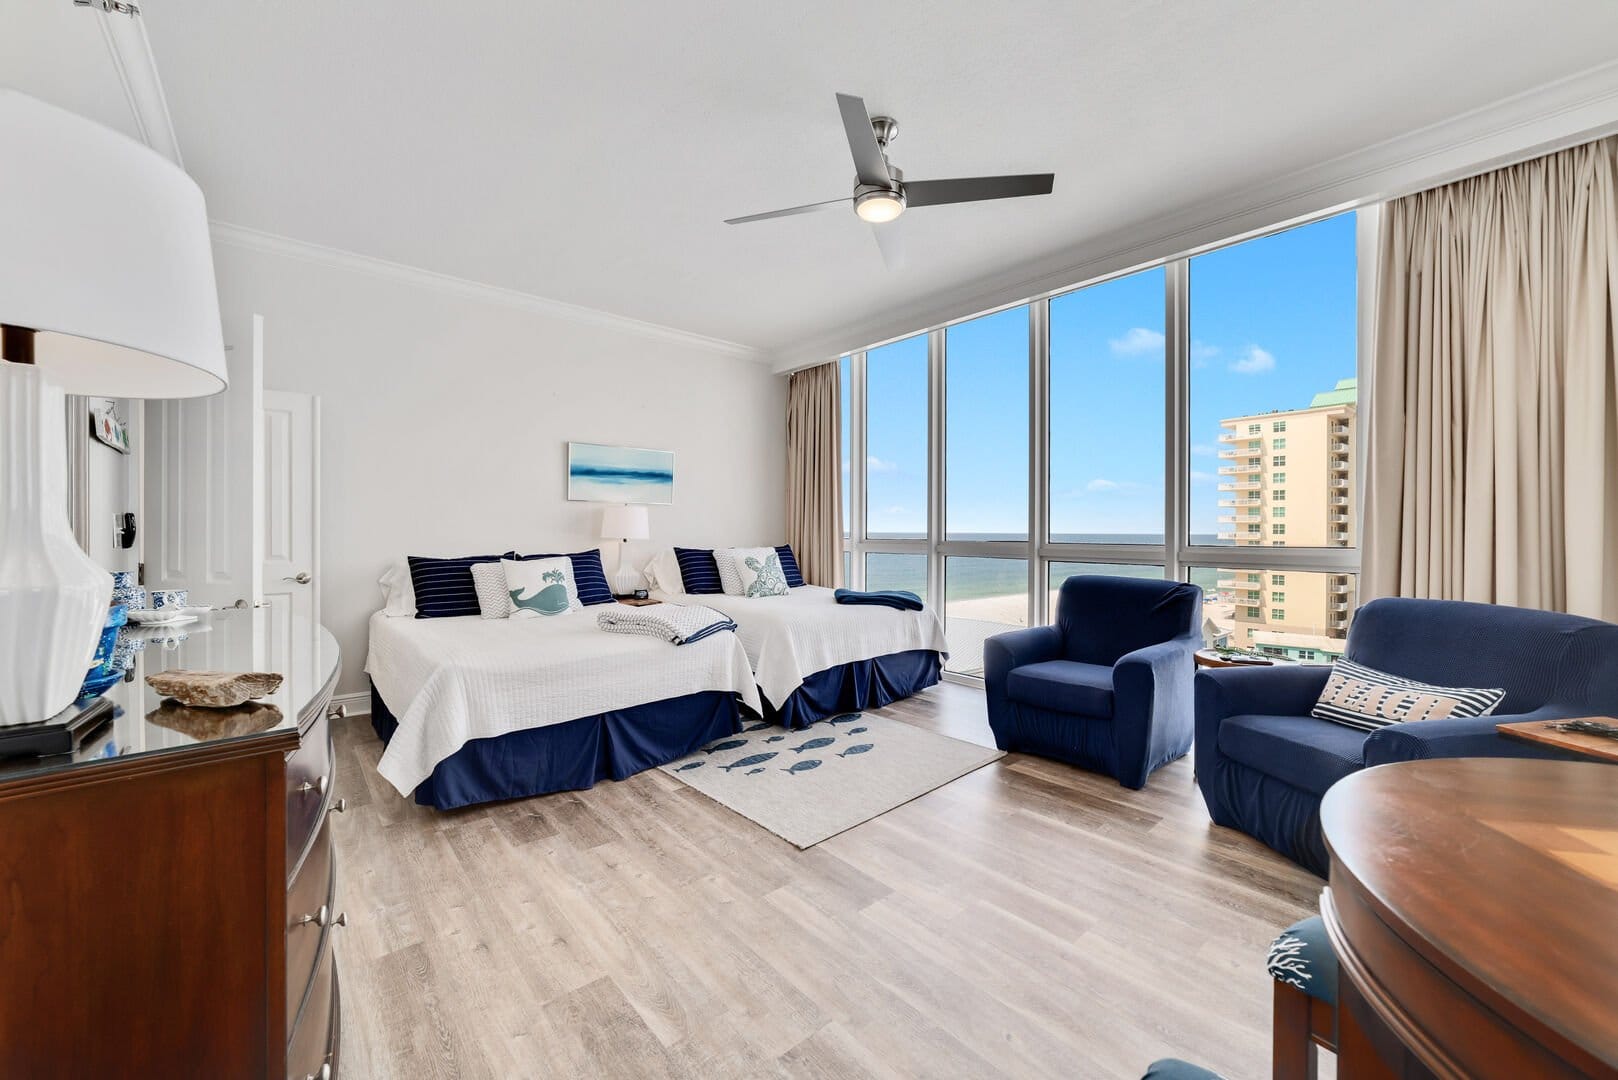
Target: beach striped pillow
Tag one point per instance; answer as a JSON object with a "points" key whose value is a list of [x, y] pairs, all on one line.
{"points": [[1366, 699]]}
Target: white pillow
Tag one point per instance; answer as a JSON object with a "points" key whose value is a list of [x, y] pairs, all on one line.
{"points": [[730, 579], [398, 591], [494, 602], [663, 572], [541, 587], [760, 571]]}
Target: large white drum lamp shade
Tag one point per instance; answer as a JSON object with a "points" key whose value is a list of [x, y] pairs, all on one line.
{"points": [[104, 252], [106, 288]]}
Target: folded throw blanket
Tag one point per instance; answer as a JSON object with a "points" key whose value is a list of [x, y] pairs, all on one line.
{"points": [[893, 598], [680, 624]]}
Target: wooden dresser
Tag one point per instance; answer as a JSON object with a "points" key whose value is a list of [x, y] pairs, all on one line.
{"points": [[168, 901]]}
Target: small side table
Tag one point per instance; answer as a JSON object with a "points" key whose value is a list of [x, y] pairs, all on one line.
{"points": [[630, 601], [1542, 732], [1210, 658]]}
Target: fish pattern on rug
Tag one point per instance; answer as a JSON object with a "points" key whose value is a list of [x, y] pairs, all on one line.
{"points": [[845, 771]]}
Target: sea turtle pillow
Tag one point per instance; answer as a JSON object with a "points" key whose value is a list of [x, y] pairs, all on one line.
{"points": [[760, 572], [540, 587]]}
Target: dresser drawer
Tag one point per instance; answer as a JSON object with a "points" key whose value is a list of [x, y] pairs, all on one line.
{"points": [[311, 1051], [311, 910], [309, 778]]}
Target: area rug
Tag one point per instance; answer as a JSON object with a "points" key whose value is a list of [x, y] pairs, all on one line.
{"points": [[807, 786]]}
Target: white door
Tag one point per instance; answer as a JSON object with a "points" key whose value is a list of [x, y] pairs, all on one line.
{"points": [[202, 476], [291, 513]]}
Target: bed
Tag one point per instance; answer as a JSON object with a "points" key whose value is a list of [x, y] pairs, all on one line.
{"points": [[815, 658], [473, 710]]}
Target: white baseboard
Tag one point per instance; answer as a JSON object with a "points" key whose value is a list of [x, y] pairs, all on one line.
{"points": [[357, 704]]}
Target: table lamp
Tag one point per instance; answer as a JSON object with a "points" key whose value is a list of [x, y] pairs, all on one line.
{"points": [[624, 523], [106, 288]]}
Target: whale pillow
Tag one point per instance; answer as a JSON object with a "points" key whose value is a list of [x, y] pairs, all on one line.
{"points": [[540, 587]]}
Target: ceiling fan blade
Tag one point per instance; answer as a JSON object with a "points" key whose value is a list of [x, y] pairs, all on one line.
{"points": [[789, 212], [890, 243], [976, 189], [869, 164]]}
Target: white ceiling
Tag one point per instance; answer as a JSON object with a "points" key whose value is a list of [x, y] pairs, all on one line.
{"points": [[588, 152]]}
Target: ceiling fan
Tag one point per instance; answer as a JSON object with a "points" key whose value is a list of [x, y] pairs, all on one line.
{"points": [[881, 192]]}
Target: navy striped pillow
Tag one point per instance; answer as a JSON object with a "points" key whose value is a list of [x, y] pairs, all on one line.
{"points": [[698, 570], [444, 587], [789, 566], [1366, 699], [588, 576]]}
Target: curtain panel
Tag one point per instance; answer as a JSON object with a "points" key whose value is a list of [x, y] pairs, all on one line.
{"points": [[1493, 468], [815, 473]]}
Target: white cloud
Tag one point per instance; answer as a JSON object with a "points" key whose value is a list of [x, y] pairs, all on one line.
{"points": [[1137, 340], [1101, 483], [1253, 361], [1200, 477], [876, 464], [1203, 449], [1202, 352]]}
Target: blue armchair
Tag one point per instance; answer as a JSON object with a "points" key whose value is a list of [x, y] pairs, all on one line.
{"points": [[1109, 686], [1264, 764]]}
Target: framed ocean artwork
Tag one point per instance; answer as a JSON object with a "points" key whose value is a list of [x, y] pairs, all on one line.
{"points": [[619, 474]]}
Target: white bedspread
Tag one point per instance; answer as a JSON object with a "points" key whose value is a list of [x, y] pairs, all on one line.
{"points": [[449, 681], [788, 638]]}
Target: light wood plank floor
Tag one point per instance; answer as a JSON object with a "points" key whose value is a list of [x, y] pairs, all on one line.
{"points": [[1027, 920]]}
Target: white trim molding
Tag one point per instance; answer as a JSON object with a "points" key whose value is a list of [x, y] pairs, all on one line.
{"points": [[1551, 117], [256, 240], [355, 704]]}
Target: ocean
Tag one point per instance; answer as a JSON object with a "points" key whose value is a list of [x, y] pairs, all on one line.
{"points": [[970, 578]]}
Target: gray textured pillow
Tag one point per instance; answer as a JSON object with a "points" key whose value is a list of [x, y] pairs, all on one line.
{"points": [[489, 579]]}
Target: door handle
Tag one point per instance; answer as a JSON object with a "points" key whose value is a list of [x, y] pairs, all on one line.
{"points": [[302, 577]]}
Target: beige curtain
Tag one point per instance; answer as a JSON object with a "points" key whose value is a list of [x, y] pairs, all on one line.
{"points": [[815, 473], [1494, 446]]}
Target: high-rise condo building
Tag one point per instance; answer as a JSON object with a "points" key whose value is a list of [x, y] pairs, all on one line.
{"points": [[1287, 479]]}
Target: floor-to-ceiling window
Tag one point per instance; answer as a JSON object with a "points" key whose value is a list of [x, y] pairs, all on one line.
{"points": [[986, 446], [1195, 419], [1273, 409]]}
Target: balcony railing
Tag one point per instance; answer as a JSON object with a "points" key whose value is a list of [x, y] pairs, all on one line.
{"points": [[1251, 500], [1240, 485]]}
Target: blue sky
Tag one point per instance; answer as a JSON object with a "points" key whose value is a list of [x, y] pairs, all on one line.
{"points": [[1273, 322]]}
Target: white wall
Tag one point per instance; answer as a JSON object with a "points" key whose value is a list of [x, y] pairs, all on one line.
{"points": [[445, 421]]}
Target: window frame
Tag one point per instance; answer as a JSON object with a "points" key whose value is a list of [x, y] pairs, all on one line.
{"points": [[1178, 556]]}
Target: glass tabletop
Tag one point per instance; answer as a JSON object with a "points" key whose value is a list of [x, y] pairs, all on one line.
{"points": [[143, 722]]}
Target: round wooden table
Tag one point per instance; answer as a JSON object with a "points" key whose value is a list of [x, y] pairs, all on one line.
{"points": [[1473, 906]]}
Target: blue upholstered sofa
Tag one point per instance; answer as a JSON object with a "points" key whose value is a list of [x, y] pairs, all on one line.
{"points": [[1109, 686], [1264, 763]]}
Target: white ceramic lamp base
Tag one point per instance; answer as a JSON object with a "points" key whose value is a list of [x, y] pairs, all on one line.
{"points": [[53, 598]]}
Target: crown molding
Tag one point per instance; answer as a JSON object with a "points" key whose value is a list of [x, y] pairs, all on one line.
{"points": [[269, 243], [131, 51], [1542, 120]]}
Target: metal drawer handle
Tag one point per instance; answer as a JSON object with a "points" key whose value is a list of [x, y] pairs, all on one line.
{"points": [[337, 712], [323, 1074], [319, 785], [323, 917], [339, 806]]}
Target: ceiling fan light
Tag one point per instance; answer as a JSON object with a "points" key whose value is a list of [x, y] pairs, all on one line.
{"points": [[879, 206]]}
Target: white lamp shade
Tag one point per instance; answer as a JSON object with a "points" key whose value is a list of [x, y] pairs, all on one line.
{"points": [[624, 523], [104, 250]]}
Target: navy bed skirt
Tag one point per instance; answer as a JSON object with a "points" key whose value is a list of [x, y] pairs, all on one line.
{"points": [[572, 755], [863, 684]]}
